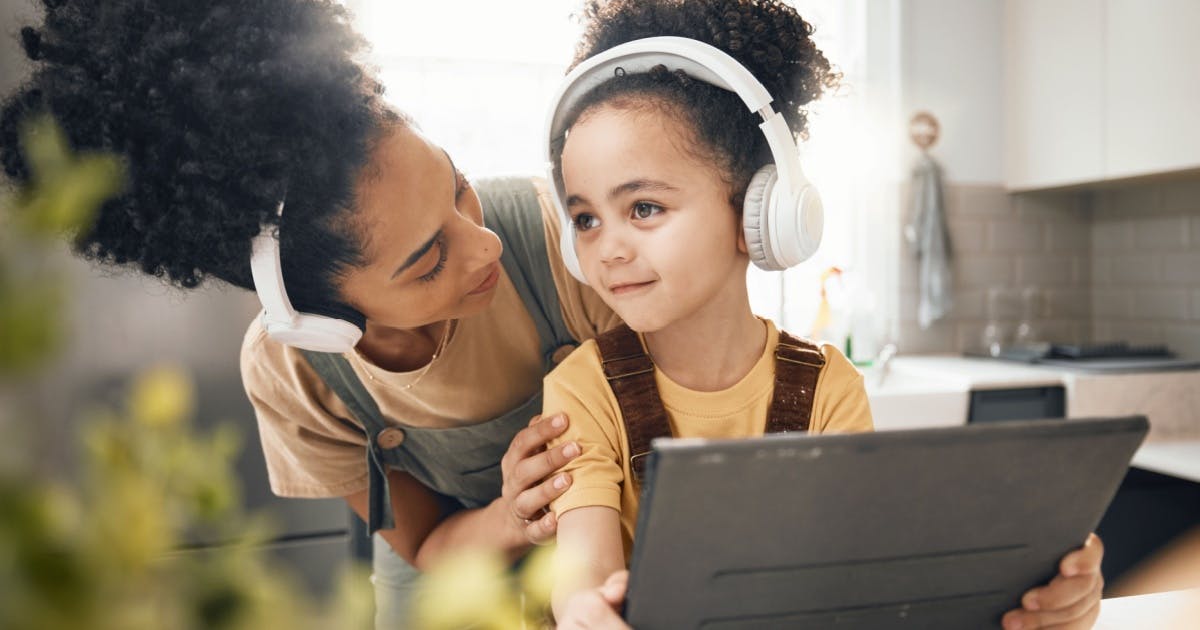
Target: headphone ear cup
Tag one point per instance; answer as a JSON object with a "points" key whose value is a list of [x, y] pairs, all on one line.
{"points": [[811, 223], [755, 208], [317, 333]]}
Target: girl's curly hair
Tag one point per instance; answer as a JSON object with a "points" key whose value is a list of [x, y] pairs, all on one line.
{"points": [[768, 37], [219, 109]]}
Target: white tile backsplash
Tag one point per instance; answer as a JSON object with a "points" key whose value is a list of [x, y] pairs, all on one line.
{"points": [[1161, 232], [1118, 264]]}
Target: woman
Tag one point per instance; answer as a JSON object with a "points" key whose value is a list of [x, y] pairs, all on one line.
{"points": [[226, 112]]}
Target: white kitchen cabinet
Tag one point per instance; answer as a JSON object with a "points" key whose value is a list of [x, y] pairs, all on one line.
{"points": [[1054, 92], [1100, 90], [1153, 87]]}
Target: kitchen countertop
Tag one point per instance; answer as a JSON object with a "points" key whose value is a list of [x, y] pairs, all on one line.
{"points": [[1175, 610], [979, 373], [1170, 400], [1180, 458]]}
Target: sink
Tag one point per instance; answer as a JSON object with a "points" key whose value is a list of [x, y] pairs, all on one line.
{"points": [[913, 399]]}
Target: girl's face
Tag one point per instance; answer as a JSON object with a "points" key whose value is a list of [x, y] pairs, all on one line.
{"points": [[429, 256], [656, 235]]}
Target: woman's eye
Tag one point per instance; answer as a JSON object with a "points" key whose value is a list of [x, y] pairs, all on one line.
{"points": [[584, 222], [441, 263], [463, 184], [644, 210]]}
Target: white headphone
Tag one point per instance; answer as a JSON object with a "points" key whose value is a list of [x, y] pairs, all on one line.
{"points": [[282, 322], [782, 213]]}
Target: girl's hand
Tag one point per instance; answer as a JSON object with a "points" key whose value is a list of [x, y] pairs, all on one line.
{"points": [[528, 485], [596, 608], [1071, 600]]}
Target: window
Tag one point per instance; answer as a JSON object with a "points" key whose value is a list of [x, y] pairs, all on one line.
{"points": [[477, 76]]}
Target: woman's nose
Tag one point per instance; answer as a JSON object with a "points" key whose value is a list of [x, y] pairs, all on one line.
{"points": [[487, 247]]}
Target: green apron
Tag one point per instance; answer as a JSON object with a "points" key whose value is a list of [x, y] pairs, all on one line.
{"points": [[459, 462]]}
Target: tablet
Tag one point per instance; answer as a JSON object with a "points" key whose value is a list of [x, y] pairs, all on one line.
{"points": [[927, 528]]}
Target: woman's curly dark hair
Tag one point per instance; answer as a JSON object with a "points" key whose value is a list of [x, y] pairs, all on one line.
{"points": [[219, 110], [768, 37]]}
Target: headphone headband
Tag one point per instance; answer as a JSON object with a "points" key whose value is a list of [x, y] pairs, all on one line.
{"points": [[716, 67], [267, 270], [281, 321]]}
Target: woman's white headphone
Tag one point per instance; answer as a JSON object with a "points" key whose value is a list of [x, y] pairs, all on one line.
{"points": [[782, 214], [284, 323]]}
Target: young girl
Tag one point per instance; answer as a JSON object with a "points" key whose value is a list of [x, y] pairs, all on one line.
{"points": [[655, 169]]}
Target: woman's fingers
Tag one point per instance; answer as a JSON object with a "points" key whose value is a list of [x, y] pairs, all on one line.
{"points": [[533, 438], [542, 530], [532, 470], [528, 442], [534, 501]]}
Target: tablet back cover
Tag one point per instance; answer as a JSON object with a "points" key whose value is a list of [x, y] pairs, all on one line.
{"points": [[935, 528]]}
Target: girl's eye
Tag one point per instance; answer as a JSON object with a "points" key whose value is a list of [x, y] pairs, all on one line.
{"points": [[584, 221], [441, 263], [645, 210]]}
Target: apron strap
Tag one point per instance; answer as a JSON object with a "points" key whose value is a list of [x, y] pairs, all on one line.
{"points": [[339, 376], [630, 374], [514, 214], [798, 364]]}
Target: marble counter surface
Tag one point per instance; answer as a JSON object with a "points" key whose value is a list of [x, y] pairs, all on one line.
{"points": [[1170, 399], [1179, 458], [1175, 610]]}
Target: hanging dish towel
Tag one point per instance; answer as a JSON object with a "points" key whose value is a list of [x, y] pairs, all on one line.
{"points": [[930, 240]]}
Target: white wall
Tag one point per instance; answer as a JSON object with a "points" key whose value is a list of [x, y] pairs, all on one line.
{"points": [[13, 15], [952, 66], [117, 321]]}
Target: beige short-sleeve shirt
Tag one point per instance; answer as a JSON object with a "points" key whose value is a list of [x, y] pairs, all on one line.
{"points": [[491, 364]]}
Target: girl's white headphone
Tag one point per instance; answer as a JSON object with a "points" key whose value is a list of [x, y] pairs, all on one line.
{"points": [[284, 323], [782, 213]]}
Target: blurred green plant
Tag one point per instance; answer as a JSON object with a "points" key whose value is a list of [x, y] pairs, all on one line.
{"points": [[61, 198], [107, 551], [475, 589]]}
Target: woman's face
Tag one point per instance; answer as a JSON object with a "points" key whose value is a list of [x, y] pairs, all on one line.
{"points": [[429, 256]]}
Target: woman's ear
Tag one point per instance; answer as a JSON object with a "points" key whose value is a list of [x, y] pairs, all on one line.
{"points": [[741, 237]]}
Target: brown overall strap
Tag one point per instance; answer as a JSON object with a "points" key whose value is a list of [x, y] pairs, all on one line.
{"points": [[630, 374], [798, 363]]}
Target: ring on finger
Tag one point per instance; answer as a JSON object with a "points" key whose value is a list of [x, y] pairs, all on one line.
{"points": [[535, 516]]}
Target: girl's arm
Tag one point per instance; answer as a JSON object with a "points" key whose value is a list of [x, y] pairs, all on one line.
{"points": [[589, 551], [427, 527]]}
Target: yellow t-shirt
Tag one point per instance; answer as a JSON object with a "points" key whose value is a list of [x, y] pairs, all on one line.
{"points": [[492, 363], [578, 387]]}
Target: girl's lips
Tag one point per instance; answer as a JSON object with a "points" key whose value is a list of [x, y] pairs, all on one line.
{"points": [[489, 282], [621, 289]]}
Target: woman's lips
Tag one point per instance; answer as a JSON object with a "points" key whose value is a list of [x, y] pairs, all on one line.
{"points": [[629, 287], [489, 282]]}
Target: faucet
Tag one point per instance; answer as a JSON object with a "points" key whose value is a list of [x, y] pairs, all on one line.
{"points": [[883, 363]]}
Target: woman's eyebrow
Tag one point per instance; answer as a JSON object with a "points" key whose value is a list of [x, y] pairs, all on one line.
{"points": [[427, 245], [417, 255]]}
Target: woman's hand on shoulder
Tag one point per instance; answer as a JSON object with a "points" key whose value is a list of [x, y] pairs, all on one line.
{"points": [[529, 481]]}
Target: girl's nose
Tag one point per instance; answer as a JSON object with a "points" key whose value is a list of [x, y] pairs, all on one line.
{"points": [[615, 246]]}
